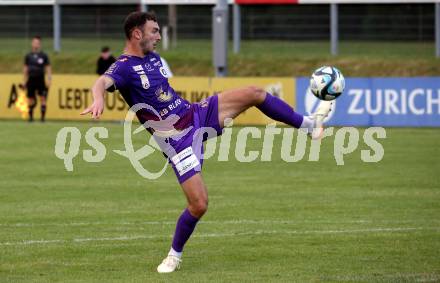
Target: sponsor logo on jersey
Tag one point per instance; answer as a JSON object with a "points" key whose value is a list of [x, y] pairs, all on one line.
{"points": [[149, 67], [145, 82], [137, 68], [204, 103], [163, 72], [163, 96]]}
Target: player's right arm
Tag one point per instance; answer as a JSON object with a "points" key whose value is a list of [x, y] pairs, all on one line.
{"points": [[114, 78], [98, 90]]}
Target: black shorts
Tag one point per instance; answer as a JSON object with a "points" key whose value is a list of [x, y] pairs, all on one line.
{"points": [[36, 86]]}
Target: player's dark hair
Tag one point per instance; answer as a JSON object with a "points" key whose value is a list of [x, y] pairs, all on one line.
{"points": [[37, 37], [105, 49], [137, 20]]}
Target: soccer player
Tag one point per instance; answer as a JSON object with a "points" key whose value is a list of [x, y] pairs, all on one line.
{"points": [[36, 65], [139, 76]]}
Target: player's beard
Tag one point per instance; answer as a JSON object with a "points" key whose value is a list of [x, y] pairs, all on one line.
{"points": [[144, 44]]}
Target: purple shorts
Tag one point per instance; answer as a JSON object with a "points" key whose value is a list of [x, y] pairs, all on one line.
{"points": [[186, 156]]}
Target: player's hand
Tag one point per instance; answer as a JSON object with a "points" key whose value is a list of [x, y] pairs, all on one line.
{"points": [[96, 109]]}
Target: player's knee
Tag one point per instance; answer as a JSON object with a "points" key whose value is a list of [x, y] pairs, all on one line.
{"points": [[32, 103], [202, 206], [255, 94], [199, 207]]}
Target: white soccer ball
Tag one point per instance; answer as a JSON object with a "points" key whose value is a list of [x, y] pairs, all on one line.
{"points": [[327, 83]]}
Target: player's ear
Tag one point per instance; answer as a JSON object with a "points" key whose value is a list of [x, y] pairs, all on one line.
{"points": [[137, 34]]}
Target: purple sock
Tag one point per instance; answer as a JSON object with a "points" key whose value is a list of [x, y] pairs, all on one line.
{"points": [[184, 228], [279, 110]]}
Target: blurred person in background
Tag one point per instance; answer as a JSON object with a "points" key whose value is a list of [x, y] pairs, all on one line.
{"points": [[105, 60], [36, 67]]}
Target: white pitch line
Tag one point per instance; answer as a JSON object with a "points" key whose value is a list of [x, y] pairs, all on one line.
{"points": [[32, 242], [238, 221], [219, 235], [87, 224]]}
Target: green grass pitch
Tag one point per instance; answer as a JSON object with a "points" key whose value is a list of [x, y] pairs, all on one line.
{"points": [[267, 221], [256, 57]]}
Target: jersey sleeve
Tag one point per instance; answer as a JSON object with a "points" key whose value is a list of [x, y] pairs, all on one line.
{"points": [[166, 67], [46, 60], [26, 60], [118, 72]]}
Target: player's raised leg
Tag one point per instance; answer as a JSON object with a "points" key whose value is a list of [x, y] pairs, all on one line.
{"points": [[197, 196], [234, 102]]}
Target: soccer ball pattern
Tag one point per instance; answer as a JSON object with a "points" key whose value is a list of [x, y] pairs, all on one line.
{"points": [[327, 83]]}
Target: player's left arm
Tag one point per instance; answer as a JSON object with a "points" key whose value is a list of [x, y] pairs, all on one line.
{"points": [[25, 75], [48, 70]]}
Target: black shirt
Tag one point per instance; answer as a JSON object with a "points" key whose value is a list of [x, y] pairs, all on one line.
{"points": [[103, 65], [36, 63]]}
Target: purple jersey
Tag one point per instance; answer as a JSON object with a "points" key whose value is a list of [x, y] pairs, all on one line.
{"points": [[144, 80]]}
